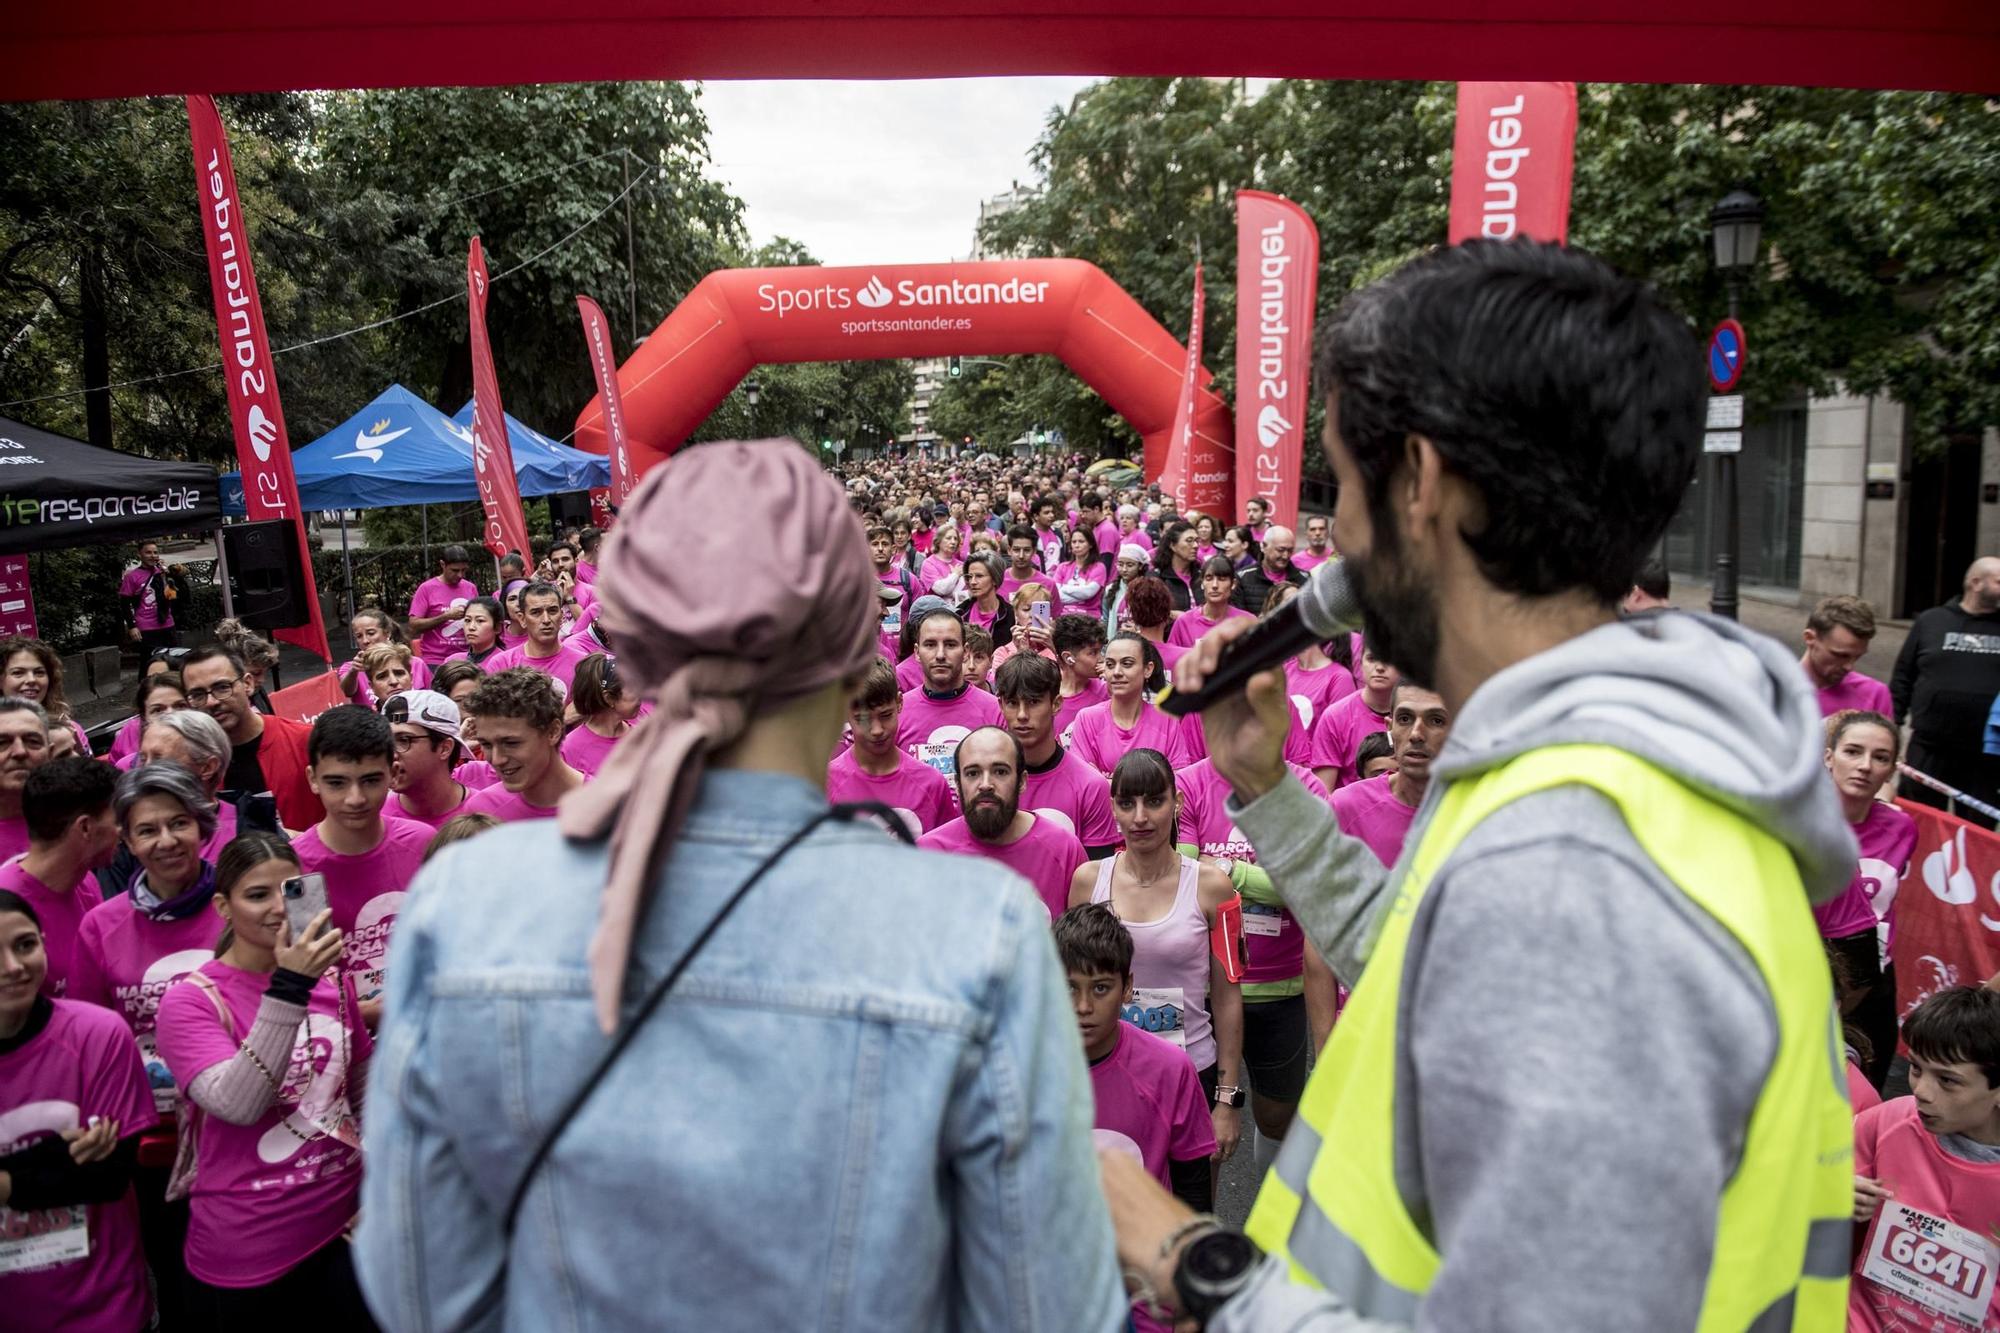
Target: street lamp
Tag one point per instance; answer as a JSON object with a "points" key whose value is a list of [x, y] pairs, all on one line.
{"points": [[1737, 224]]}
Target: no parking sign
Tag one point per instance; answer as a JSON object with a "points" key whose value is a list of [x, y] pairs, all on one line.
{"points": [[1725, 356]]}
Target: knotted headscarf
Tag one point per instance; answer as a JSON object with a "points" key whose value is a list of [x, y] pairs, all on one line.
{"points": [[711, 643]]}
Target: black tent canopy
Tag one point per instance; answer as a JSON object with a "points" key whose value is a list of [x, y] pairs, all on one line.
{"points": [[57, 492]]}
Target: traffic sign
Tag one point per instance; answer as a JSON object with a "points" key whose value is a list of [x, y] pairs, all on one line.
{"points": [[1722, 442], [1725, 412], [1725, 356]]}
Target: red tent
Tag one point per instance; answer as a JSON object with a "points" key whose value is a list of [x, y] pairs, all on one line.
{"points": [[118, 48]]}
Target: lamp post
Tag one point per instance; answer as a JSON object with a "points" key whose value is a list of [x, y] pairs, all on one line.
{"points": [[1737, 224], [751, 392]]}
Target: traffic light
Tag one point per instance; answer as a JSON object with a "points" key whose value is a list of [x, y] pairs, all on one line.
{"points": [[957, 368]]}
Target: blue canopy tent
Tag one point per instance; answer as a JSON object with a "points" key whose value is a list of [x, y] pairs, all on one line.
{"points": [[399, 450], [538, 455]]}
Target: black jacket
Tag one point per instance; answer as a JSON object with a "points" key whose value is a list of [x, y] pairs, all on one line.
{"points": [[1254, 584], [1947, 675]]}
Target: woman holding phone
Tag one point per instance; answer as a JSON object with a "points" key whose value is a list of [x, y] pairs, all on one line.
{"points": [[269, 1053]]}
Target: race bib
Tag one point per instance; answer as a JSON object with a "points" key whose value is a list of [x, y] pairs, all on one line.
{"points": [[939, 755], [1935, 1263], [1261, 920], [43, 1238], [1158, 1010], [893, 622]]}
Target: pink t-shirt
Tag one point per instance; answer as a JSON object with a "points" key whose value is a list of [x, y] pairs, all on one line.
{"points": [[1887, 837], [1298, 738], [1369, 810], [561, 666], [77, 1268], [585, 751], [366, 892], [395, 809], [264, 1196], [1091, 572], [1109, 538], [1304, 559], [62, 917], [476, 774], [909, 673], [1098, 740], [1891, 1144], [920, 795], [1046, 856], [432, 598], [1196, 623], [931, 729], [1076, 796], [1313, 692], [1856, 691], [505, 806], [1067, 707], [1276, 944], [13, 838], [1339, 732], [1150, 1103], [225, 829], [151, 611], [936, 567], [125, 961], [1009, 585], [125, 744]]}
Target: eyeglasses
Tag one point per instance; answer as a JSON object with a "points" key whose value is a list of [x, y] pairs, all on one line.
{"points": [[405, 743], [219, 691]]}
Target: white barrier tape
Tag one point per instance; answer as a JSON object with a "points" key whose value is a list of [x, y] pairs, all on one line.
{"points": [[1947, 790]]}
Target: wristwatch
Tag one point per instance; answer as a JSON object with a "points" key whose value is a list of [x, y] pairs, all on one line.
{"points": [[1213, 1267], [1226, 1095]]}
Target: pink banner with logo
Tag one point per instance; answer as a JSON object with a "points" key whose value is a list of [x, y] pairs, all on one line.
{"points": [[1947, 908], [1277, 279], [1512, 158], [492, 455], [263, 451], [604, 364], [17, 599]]}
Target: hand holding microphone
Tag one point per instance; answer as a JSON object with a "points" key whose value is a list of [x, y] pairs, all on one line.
{"points": [[1234, 677]]}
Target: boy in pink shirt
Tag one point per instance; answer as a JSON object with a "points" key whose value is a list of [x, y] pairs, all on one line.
{"points": [[520, 725], [988, 766], [437, 608], [1150, 1103], [875, 768], [1079, 647], [1057, 785], [71, 832], [1023, 569], [945, 708], [1340, 729], [1927, 1177], [368, 861], [1379, 811]]}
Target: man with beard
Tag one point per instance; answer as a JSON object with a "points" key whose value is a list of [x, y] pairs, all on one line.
{"points": [[1837, 636], [1380, 810], [1317, 552], [24, 747], [1611, 876], [990, 765]]}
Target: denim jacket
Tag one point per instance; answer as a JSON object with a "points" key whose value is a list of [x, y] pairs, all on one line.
{"points": [[864, 1107]]}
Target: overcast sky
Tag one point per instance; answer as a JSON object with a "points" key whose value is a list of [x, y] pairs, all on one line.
{"points": [[870, 173]]}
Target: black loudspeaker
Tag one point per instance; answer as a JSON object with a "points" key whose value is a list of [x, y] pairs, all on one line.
{"points": [[266, 580], [569, 509]]}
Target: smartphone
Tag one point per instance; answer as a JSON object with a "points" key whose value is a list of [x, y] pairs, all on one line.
{"points": [[305, 898], [1038, 615]]}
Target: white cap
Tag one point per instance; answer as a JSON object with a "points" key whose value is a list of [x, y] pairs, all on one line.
{"points": [[1132, 551], [427, 709]]}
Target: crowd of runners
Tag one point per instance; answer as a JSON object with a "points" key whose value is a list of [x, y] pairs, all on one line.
{"points": [[186, 1054]]}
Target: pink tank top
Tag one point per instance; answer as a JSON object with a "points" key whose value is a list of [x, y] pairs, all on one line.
{"points": [[1169, 966]]}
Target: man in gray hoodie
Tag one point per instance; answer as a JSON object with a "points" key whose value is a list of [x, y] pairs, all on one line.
{"points": [[1559, 1112]]}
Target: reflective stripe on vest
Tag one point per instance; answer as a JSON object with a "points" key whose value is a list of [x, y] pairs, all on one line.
{"points": [[1330, 1205]]}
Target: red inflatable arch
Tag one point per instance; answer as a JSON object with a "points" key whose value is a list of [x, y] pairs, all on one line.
{"points": [[737, 319]]}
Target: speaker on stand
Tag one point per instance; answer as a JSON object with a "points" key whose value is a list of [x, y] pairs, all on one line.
{"points": [[266, 574]]}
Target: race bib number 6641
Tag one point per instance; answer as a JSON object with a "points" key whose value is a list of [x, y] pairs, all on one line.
{"points": [[1935, 1263]]}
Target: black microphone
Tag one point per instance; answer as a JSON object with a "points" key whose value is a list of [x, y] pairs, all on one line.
{"points": [[1324, 608]]}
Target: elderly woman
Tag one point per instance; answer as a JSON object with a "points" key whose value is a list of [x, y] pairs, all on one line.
{"points": [[197, 742], [131, 947]]}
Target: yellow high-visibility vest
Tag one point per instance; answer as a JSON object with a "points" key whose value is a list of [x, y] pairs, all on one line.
{"points": [[1330, 1204]]}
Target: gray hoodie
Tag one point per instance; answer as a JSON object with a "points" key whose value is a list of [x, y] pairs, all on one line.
{"points": [[1580, 1046]]}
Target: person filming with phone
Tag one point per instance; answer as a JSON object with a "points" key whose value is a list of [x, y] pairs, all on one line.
{"points": [[1588, 1077], [268, 1049]]}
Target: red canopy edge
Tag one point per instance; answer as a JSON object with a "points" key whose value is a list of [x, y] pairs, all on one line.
{"points": [[118, 48]]}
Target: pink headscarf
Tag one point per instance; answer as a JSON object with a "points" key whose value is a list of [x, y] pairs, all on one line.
{"points": [[791, 613]]}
